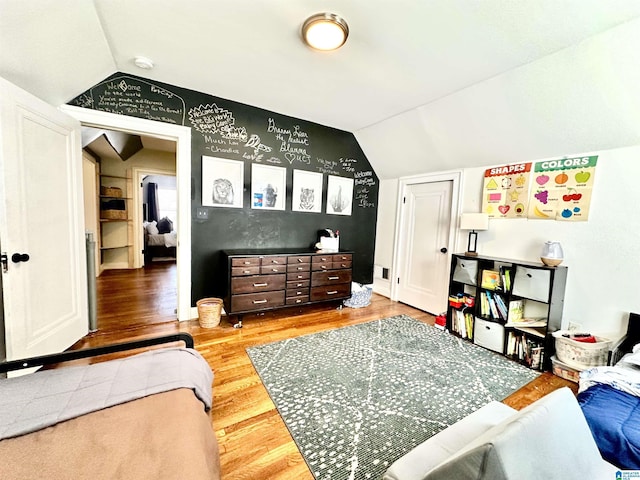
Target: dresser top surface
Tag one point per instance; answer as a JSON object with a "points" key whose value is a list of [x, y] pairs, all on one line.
{"points": [[260, 252]]}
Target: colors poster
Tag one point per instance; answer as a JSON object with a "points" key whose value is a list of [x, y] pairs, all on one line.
{"points": [[506, 191], [561, 189]]}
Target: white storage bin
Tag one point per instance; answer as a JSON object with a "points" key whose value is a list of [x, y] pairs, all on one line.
{"points": [[489, 335], [532, 283], [581, 355]]}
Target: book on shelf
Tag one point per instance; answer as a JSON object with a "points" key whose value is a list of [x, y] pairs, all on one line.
{"points": [[516, 310], [528, 351], [505, 273], [490, 280]]}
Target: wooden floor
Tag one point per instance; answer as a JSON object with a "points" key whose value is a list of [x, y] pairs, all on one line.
{"points": [[254, 442]]}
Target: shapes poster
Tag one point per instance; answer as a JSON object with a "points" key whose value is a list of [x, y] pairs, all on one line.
{"points": [[505, 191], [562, 189]]}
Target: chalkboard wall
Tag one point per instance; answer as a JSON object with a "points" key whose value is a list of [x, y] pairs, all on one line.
{"points": [[227, 130]]}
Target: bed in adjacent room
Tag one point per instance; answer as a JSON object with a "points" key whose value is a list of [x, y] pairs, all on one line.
{"points": [[610, 399], [145, 416], [160, 240]]}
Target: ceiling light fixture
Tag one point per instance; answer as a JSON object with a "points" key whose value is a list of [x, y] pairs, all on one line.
{"points": [[325, 31], [143, 62]]}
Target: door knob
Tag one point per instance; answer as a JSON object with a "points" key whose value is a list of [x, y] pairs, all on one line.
{"points": [[444, 250], [19, 257]]}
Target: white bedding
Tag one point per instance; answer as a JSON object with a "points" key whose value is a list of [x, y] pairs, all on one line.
{"points": [[623, 376], [163, 239]]}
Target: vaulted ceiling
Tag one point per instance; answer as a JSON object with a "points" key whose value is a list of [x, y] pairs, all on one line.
{"points": [[408, 69]]}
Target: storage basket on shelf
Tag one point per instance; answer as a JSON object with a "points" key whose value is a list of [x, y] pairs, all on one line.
{"points": [[209, 311], [113, 214], [111, 192], [581, 355]]}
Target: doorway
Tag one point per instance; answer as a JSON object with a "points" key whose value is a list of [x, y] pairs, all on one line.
{"points": [[182, 138], [427, 209]]}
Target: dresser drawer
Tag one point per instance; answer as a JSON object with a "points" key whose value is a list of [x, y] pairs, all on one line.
{"points": [[240, 271], [297, 300], [297, 292], [341, 264], [268, 269], [329, 292], [256, 301], [298, 284], [298, 267], [331, 277], [342, 257], [318, 259], [298, 276], [273, 261], [298, 259], [257, 283], [245, 262], [321, 266]]}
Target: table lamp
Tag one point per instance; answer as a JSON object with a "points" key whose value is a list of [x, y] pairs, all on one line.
{"points": [[474, 222]]}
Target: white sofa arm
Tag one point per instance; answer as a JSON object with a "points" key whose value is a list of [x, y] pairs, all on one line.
{"points": [[431, 453]]}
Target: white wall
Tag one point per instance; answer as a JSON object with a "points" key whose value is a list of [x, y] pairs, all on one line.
{"points": [[385, 228], [602, 254]]}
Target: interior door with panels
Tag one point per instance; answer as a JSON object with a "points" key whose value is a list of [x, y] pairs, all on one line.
{"points": [[41, 226]]}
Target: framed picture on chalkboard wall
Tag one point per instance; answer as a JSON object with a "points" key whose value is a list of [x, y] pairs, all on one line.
{"points": [[339, 195], [268, 187], [222, 182], [307, 191]]}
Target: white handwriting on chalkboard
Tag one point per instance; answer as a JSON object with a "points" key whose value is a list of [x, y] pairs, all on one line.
{"points": [[364, 178], [216, 120], [362, 198], [216, 149], [327, 166], [254, 142], [293, 142], [254, 157], [273, 160], [348, 164]]}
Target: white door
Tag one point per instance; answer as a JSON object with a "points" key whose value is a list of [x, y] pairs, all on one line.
{"points": [[41, 215], [424, 240]]}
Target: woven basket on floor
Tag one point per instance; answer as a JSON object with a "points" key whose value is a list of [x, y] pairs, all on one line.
{"points": [[209, 311]]}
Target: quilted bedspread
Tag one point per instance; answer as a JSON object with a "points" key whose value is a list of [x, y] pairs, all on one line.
{"points": [[32, 402]]}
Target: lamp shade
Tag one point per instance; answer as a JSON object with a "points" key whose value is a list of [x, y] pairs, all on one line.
{"points": [[474, 221]]}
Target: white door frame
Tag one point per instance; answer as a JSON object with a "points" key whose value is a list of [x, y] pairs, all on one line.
{"points": [[455, 176], [182, 136]]}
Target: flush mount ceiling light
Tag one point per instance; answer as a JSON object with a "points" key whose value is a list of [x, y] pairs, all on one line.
{"points": [[325, 31], [143, 62]]}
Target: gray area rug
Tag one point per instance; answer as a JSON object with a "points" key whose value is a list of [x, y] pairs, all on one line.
{"points": [[357, 398]]}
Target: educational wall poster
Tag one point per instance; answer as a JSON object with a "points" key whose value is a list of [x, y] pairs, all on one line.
{"points": [[562, 189], [506, 191]]}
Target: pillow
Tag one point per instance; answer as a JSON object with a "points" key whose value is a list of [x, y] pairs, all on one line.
{"points": [[152, 229], [165, 225]]}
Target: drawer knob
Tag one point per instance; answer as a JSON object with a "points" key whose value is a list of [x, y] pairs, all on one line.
{"points": [[323, 267], [274, 269], [300, 268], [260, 285], [247, 271], [298, 301], [299, 276], [299, 260], [333, 278], [333, 292], [247, 263], [259, 301], [275, 261]]}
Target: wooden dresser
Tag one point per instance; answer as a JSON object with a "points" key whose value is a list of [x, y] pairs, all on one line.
{"points": [[264, 279]]}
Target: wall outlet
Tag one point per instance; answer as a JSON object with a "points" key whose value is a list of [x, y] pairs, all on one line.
{"points": [[575, 327], [202, 213]]}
